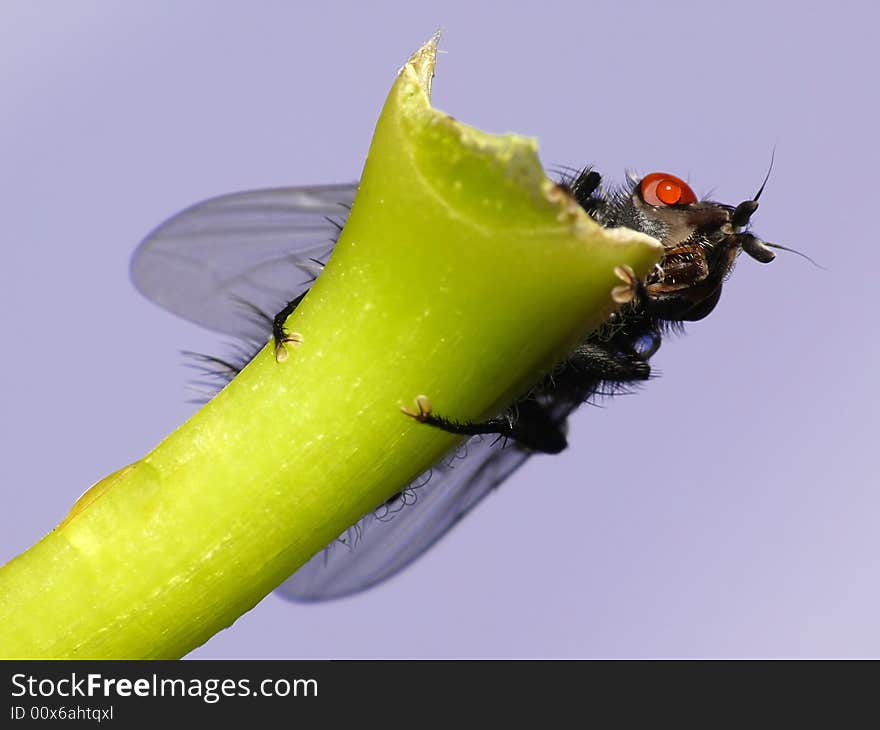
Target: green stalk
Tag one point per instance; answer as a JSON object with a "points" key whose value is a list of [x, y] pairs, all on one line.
{"points": [[462, 273]]}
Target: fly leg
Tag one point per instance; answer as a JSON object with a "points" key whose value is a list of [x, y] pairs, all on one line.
{"points": [[592, 363], [530, 423], [583, 187], [279, 334], [532, 427]]}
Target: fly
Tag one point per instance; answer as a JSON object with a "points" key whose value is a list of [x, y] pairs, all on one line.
{"points": [[228, 261]]}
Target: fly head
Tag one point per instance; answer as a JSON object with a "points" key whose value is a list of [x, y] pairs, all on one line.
{"points": [[701, 238]]}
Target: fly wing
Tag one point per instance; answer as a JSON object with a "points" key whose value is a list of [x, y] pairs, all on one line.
{"points": [[223, 260], [388, 539]]}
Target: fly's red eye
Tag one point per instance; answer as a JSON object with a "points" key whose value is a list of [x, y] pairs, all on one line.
{"points": [[661, 188]]}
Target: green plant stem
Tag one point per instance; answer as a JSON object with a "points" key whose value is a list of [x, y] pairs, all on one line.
{"points": [[462, 273]]}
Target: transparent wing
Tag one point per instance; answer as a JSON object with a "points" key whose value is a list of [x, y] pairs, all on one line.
{"points": [[221, 260], [390, 538]]}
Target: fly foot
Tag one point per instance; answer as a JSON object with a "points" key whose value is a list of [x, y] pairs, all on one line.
{"points": [[281, 353], [423, 409], [626, 292]]}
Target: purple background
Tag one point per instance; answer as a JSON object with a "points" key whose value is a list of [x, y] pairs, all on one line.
{"points": [[729, 509]]}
